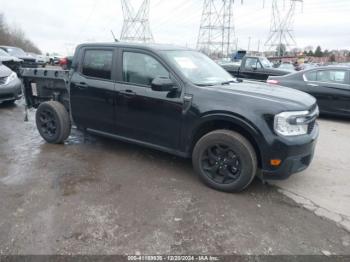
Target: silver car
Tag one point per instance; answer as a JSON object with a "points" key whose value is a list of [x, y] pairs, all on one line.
{"points": [[10, 85]]}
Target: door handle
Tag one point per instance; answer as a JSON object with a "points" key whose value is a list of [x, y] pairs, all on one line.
{"points": [[313, 85], [127, 92], [81, 85]]}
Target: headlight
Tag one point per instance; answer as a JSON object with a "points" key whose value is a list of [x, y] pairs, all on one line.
{"points": [[291, 123], [11, 78]]}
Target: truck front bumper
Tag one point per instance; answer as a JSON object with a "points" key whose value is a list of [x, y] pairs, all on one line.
{"points": [[296, 155], [11, 91]]}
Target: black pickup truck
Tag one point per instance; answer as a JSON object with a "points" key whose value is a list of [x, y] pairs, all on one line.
{"points": [[181, 102], [254, 68]]}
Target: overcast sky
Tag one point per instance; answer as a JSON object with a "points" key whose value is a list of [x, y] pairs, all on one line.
{"points": [[59, 25]]}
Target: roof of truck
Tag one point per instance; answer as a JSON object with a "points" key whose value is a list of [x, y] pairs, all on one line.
{"points": [[153, 47]]}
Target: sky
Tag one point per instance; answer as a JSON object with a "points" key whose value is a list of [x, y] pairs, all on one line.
{"points": [[59, 25]]}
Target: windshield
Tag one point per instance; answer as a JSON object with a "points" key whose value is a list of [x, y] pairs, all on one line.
{"points": [[286, 66], [16, 52], [198, 68], [3, 53], [265, 62]]}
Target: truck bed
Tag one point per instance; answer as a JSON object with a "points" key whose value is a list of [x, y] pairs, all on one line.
{"points": [[42, 85]]}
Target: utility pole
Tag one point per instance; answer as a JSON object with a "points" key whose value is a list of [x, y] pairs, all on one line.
{"points": [[249, 40], [136, 26], [281, 30], [216, 35]]}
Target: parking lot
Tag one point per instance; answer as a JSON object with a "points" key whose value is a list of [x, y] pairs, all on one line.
{"points": [[96, 196]]}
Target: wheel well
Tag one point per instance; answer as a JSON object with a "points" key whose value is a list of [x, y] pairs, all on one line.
{"points": [[222, 124]]}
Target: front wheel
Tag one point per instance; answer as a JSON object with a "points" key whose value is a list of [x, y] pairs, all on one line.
{"points": [[53, 122], [225, 161]]}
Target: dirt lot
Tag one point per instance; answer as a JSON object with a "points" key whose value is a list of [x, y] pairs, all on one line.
{"points": [[98, 196]]}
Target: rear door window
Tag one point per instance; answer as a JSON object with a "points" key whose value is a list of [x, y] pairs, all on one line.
{"points": [[332, 76], [311, 76], [98, 64]]}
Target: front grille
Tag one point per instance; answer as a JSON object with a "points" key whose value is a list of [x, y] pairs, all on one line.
{"points": [[306, 160], [314, 115], [6, 96], [311, 127], [3, 80], [29, 65]]}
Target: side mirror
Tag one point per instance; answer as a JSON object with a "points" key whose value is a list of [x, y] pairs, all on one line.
{"points": [[163, 84], [254, 67]]}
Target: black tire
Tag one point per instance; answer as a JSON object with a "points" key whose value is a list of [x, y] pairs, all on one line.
{"points": [[225, 161], [53, 122]]}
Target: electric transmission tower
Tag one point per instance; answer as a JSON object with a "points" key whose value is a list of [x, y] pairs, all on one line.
{"points": [[136, 26], [281, 32], [216, 35]]}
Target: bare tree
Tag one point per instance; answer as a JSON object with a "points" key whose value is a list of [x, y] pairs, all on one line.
{"points": [[15, 36]]}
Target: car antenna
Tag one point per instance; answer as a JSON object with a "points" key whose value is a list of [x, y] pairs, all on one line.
{"points": [[115, 39]]}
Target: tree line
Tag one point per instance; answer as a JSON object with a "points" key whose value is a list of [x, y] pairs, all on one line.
{"points": [[15, 36]]}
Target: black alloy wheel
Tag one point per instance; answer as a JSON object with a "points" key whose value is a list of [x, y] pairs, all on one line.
{"points": [[53, 122], [221, 164], [225, 160], [47, 122]]}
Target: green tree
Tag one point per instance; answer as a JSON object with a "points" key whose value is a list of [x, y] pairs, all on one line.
{"points": [[281, 50], [318, 52], [310, 53]]}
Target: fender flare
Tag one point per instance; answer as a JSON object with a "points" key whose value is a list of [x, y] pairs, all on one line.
{"points": [[237, 120]]}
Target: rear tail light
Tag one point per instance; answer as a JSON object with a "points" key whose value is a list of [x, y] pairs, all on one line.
{"points": [[273, 82]]}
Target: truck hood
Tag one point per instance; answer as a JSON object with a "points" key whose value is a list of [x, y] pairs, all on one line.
{"points": [[270, 93], [4, 71], [10, 58]]}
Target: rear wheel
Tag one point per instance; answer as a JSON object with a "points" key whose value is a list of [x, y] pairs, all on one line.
{"points": [[225, 160], [53, 122]]}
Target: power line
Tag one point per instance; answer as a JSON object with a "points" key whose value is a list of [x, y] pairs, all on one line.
{"points": [[136, 26], [281, 32], [217, 32]]}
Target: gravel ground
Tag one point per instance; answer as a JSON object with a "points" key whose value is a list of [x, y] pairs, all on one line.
{"points": [[97, 196]]}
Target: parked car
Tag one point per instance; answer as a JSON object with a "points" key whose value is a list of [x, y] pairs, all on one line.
{"points": [[254, 68], [287, 67], [306, 66], [10, 85], [65, 62], [178, 101], [329, 85], [55, 58], [28, 61], [11, 62], [39, 59]]}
